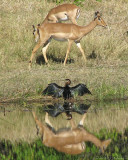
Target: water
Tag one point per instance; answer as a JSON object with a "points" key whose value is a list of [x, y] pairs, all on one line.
{"points": [[17, 122]]}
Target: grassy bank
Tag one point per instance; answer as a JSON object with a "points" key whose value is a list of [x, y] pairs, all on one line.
{"points": [[118, 149], [105, 83], [106, 75]]}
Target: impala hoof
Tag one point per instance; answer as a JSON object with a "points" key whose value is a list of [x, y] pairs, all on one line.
{"points": [[105, 145]]}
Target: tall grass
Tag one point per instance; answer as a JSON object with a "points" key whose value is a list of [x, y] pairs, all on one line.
{"points": [[18, 17], [109, 45]]}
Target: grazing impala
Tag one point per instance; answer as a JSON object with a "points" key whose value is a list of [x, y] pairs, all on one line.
{"points": [[68, 141], [60, 31], [62, 13]]}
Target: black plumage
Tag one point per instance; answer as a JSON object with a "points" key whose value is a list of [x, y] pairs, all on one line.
{"points": [[67, 107], [66, 92]]}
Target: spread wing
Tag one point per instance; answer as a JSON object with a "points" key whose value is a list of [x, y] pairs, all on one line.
{"points": [[54, 110], [83, 108], [79, 90], [80, 108], [53, 90]]}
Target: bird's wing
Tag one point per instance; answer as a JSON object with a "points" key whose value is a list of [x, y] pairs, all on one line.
{"points": [[53, 90], [80, 108], [79, 90], [54, 110], [83, 108]]}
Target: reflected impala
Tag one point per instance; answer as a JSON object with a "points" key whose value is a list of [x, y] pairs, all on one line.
{"points": [[68, 141]]}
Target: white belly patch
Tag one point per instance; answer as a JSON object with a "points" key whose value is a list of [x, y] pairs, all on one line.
{"points": [[64, 18], [59, 39]]}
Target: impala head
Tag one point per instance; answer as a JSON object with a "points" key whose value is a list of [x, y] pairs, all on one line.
{"points": [[99, 20], [36, 33]]}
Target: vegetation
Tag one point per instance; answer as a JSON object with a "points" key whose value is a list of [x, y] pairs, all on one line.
{"points": [[106, 50], [105, 74], [118, 149]]}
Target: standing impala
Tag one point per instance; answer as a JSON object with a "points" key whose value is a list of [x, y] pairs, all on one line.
{"points": [[62, 13], [71, 141], [61, 32]]}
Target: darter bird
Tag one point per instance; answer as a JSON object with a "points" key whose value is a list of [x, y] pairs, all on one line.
{"points": [[66, 92]]}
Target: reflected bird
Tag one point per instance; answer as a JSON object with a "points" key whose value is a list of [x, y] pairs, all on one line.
{"points": [[66, 92], [67, 107]]}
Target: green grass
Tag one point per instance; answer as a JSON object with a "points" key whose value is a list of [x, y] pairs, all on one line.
{"points": [[108, 93], [105, 76], [36, 150]]}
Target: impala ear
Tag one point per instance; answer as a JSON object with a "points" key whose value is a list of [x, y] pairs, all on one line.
{"points": [[96, 14], [33, 27]]}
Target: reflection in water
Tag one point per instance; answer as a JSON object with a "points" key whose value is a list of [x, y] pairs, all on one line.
{"points": [[67, 107], [68, 140], [17, 124]]}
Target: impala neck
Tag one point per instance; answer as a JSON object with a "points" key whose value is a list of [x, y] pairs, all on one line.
{"points": [[45, 21], [86, 29]]}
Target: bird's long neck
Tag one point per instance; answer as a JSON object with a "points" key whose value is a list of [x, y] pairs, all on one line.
{"points": [[66, 85]]}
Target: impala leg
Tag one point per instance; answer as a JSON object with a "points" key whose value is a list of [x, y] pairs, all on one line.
{"points": [[44, 49], [69, 46], [101, 144], [73, 124], [81, 50], [82, 120], [88, 136], [73, 20], [38, 123], [52, 19], [74, 15], [92, 138], [34, 51], [47, 120], [43, 128]]}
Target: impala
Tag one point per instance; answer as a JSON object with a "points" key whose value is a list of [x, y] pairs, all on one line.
{"points": [[61, 31], [68, 141], [62, 13]]}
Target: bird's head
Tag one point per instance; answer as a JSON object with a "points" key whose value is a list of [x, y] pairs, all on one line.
{"points": [[69, 116], [68, 82]]}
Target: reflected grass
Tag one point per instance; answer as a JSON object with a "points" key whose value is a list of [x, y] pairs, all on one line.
{"points": [[17, 122]]}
